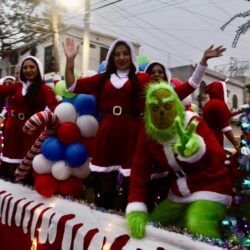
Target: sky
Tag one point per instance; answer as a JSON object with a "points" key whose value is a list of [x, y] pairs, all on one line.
{"points": [[175, 32]]}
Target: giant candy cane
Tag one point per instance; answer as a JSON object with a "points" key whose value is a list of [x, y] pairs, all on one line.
{"points": [[40, 119]]}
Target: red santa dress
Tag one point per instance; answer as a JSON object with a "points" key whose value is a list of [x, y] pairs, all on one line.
{"points": [[203, 176]]}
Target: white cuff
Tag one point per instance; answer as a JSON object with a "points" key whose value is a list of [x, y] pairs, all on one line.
{"points": [[198, 155], [136, 206], [228, 128], [197, 76], [72, 87]]}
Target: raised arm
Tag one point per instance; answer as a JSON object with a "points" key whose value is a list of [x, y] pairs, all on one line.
{"points": [[211, 52], [70, 51]]}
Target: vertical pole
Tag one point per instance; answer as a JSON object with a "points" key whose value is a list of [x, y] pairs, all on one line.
{"points": [[85, 54], [55, 24]]}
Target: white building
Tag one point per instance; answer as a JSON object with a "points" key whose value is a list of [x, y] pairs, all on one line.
{"points": [[43, 50]]}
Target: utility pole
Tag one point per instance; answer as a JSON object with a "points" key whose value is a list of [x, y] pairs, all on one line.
{"points": [[85, 54], [55, 29]]}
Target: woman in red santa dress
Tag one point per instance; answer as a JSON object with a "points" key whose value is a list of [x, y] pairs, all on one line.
{"points": [[28, 96], [121, 101]]}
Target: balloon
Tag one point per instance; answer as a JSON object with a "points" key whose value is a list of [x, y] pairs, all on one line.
{"points": [[66, 112], [53, 149], [82, 171], [41, 165], [142, 59], [75, 154], [46, 185], [60, 89], [71, 187], [61, 171], [68, 132], [88, 125], [77, 74], [85, 104], [69, 100], [101, 67], [143, 66]]}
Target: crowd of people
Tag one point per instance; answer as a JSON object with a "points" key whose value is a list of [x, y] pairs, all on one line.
{"points": [[154, 159]]}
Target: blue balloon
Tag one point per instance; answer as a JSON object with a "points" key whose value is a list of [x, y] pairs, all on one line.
{"points": [[53, 149], [143, 66], [76, 154], [85, 104], [70, 100], [101, 67]]}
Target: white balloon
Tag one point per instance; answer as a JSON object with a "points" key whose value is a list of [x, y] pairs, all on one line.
{"points": [[88, 125], [82, 171], [66, 112], [60, 171], [41, 165]]}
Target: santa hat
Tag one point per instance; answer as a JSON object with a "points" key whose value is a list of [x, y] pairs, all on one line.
{"points": [[38, 63], [167, 70], [2, 80], [132, 51], [217, 89]]}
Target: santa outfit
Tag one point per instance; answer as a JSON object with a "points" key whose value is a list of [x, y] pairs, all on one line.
{"points": [[16, 142], [118, 132], [216, 112]]}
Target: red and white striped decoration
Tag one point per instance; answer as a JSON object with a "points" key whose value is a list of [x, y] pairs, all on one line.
{"points": [[73, 226], [45, 119]]}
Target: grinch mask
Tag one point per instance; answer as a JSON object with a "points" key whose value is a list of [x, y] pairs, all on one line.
{"points": [[162, 107]]}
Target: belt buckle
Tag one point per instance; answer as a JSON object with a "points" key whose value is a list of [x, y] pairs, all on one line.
{"points": [[21, 116], [117, 110]]}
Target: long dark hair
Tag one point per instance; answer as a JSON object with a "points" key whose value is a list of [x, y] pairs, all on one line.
{"points": [[34, 88], [110, 69]]}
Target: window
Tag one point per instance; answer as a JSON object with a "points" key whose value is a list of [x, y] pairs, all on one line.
{"points": [[235, 102], [103, 54], [49, 60]]}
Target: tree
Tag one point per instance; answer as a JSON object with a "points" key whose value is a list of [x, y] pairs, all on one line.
{"points": [[242, 29], [22, 22]]}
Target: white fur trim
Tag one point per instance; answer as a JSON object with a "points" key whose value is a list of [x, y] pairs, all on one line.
{"points": [[96, 168], [182, 186], [10, 160], [72, 87], [197, 76], [228, 128], [197, 156], [136, 206], [7, 77], [170, 157], [39, 64], [167, 70], [118, 82], [125, 172], [131, 47], [188, 116], [201, 195]]}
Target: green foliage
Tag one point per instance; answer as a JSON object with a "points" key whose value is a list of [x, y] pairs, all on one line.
{"points": [[22, 22]]}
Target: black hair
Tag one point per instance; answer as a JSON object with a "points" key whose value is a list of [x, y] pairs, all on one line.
{"points": [[150, 68], [110, 69], [34, 88]]}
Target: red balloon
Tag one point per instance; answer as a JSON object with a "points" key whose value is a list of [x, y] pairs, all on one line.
{"points": [[68, 133], [46, 185], [73, 186]]}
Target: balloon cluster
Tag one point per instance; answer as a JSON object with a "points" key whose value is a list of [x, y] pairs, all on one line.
{"points": [[64, 160], [142, 61]]}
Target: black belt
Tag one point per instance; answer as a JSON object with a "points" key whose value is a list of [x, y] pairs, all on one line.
{"points": [[119, 110], [20, 116]]}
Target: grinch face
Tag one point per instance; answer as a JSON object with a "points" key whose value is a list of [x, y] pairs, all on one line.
{"points": [[163, 110]]}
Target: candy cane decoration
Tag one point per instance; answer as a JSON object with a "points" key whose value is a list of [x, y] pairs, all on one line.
{"points": [[40, 119]]}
